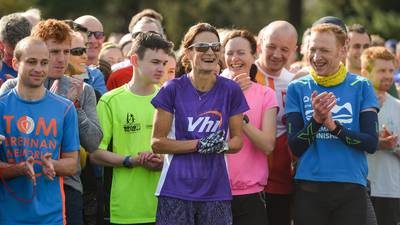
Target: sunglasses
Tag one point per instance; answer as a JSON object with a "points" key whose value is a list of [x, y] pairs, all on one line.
{"points": [[203, 47], [135, 34], [96, 34], [77, 51]]}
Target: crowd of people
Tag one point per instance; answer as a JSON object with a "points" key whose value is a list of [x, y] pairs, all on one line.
{"points": [[231, 128]]}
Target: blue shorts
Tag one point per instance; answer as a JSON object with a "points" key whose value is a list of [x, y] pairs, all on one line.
{"points": [[183, 212]]}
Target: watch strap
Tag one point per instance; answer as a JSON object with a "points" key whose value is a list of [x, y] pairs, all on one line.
{"points": [[126, 163]]}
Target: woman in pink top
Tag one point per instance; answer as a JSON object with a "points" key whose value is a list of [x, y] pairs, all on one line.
{"points": [[248, 169]]}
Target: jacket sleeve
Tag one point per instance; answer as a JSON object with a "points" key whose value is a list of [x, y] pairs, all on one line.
{"points": [[90, 133]]}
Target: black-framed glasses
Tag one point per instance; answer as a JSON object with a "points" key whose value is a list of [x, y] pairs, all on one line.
{"points": [[203, 47], [77, 51], [96, 34]]}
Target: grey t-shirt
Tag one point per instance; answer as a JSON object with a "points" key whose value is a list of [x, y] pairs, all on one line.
{"points": [[90, 133], [384, 166]]}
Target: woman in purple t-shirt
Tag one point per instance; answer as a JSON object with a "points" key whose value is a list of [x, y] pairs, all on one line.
{"points": [[194, 113]]}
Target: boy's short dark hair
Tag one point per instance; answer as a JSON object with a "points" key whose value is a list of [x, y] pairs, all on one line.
{"points": [[149, 40]]}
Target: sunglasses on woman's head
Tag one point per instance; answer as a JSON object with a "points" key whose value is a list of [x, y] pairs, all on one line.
{"points": [[77, 51], [135, 34], [96, 34], [203, 47]]}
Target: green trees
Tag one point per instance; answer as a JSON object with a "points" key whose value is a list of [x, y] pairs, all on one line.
{"points": [[379, 16]]}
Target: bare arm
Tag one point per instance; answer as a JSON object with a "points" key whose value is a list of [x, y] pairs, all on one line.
{"points": [[235, 142], [8, 171], [67, 165], [263, 139], [105, 158], [160, 143]]}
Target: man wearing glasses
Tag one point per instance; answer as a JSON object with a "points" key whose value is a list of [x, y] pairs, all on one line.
{"points": [[95, 37], [90, 133]]}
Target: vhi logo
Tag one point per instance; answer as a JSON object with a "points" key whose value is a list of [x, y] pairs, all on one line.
{"points": [[206, 122]]}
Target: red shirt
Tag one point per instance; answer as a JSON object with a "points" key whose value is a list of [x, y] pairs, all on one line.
{"points": [[119, 77]]}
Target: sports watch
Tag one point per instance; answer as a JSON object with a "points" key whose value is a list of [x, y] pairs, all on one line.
{"points": [[127, 163]]}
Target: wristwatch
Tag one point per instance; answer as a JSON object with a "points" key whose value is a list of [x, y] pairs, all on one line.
{"points": [[225, 147], [127, 163], [246, 119]]}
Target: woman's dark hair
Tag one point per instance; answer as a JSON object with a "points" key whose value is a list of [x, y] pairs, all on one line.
{"points": [[253, 47], [191, 35]]}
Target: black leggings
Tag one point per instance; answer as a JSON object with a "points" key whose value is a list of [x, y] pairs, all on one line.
{"points": [[279, 208], [329, 203], [249, 209]]}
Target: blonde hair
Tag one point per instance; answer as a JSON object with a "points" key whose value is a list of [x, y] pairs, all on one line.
{"points": [[108, 45]]}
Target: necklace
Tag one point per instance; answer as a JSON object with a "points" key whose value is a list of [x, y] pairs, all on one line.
{"points": [[200, 94]]}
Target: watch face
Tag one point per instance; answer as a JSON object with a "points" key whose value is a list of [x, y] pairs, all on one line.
{"points": [[126, 162], [245, 119], [226, 146]]}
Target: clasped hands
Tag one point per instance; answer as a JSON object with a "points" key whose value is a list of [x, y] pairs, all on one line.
{"points": [[47, 167], [322, 104], [28, 165], [148, 160], [387, 140]]}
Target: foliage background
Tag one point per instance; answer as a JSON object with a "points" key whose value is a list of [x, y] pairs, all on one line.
{"points": [[379, 16]]}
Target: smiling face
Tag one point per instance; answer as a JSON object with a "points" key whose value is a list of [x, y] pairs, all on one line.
{"points": [[238, 56], [204, 62], [358, 42], [325, 53], [277, 47], [78, 59], [33, 65], [94, 43], [382, 74]]}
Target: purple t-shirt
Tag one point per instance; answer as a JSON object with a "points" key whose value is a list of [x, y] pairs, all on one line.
{"points": [[194, 176]]}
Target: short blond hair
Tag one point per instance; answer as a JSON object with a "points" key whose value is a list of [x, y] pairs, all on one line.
{"points": [[371, 54], [340, 35]]}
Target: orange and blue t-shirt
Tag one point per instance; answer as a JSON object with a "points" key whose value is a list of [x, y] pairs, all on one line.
{"points": [[33, 128]]}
